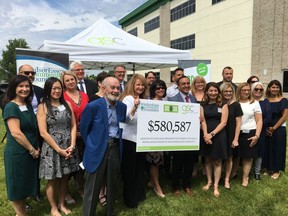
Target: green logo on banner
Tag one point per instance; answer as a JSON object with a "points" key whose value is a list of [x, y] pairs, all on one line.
{"points": [[202, 69], [171, 108]]}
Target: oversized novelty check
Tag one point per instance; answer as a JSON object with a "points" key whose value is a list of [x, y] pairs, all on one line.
{"points": [[167, 126]]}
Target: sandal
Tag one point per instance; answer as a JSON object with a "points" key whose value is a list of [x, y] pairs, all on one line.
{"points": [[102, 200], [275, 175], [207, 186]]}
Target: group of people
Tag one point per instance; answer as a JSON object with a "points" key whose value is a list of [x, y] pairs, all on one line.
{"points": [[70, 125]]}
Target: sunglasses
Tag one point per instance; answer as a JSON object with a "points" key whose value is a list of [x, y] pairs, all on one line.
{"points": [[259, 89], [254, 81], [29, 72], [160, 87]]}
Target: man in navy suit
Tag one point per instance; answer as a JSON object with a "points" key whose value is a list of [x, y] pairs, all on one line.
{"points": [[101, 129], [182, 164]]}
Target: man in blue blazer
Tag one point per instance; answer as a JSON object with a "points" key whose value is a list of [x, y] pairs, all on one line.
{"points": [[182, 164], [101, 129]]}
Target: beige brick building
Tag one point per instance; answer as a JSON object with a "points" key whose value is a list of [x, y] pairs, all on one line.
{"points": [[251, 36]]}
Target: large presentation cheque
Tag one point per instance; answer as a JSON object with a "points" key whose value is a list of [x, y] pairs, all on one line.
{"points": [[167, 126]]}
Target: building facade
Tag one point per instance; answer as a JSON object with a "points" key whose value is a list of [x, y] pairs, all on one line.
{"points": [[248, 35]]}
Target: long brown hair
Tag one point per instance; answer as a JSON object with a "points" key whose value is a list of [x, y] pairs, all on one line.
{"points": [[206, 98], [273, 82], [129, 88]]}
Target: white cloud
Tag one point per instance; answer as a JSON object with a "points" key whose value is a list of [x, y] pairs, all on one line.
{"points": [[37, 20]]}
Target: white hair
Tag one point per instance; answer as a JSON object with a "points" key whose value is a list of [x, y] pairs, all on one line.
{"points": [[76, 62]]}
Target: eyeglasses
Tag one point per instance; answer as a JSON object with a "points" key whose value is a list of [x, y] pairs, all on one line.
{"points": [[259, 89], [160, 87], [79, 69], [29, 72], [57, 88]]}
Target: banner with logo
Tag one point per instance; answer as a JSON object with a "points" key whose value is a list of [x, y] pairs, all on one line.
{"points": [[45, 64], [194, 68], [167, 126]]}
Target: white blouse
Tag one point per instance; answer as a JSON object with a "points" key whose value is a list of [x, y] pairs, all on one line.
{"points": [[248, 118]]}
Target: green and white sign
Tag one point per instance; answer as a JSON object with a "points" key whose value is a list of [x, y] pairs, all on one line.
{"points": [[193, 68], [167, 126]]}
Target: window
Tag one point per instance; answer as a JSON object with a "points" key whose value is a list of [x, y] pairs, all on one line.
{"points": [[184, 43], [152, 24], [133, 32], [285, 81], [183, 10], [216, 1]]}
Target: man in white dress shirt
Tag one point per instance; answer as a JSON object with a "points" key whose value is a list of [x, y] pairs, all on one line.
{"points": [[173, 90]]}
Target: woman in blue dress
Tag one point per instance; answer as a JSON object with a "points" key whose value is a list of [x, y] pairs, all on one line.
{"points": [[277, 128]]}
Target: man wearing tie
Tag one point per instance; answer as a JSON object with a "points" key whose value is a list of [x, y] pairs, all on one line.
{"points": [[85, 85], [119, 74], [182, 165], [101, 128]]}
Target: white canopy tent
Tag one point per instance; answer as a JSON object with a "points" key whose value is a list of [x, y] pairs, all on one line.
{"points": [[103, 45]]}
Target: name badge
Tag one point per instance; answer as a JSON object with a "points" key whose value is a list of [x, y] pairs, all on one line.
{"points": [[23, 108], [219, 110], [246, 131], [61, 108]]}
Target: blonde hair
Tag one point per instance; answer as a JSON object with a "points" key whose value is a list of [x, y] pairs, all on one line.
{"points": [[70, 73], [224, 87], [197, 78], [238, 92], [253, 86], [129, 87]]}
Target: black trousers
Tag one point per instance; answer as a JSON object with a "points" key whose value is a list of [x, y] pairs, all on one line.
{"points": [[133, 174], [108, 170], [182, 167]]}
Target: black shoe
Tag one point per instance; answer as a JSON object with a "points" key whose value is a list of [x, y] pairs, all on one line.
{"points": [[28, 208], [38, 197], [257, 177]]}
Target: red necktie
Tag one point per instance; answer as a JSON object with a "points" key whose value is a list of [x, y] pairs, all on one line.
{"points": [[187, 99]]}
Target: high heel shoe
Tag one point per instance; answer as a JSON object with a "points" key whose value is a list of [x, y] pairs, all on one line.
{"points": [[207, 186], [160, 194], [216, 192]]}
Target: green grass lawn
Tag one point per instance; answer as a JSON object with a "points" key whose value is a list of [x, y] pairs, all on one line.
{"points": [[266, 197]]}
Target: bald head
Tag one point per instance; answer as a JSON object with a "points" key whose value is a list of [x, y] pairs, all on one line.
{"points": [[111, 89], [27, 70]]}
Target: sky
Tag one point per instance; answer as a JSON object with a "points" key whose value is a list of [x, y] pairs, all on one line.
{"points": [[58, 20]]}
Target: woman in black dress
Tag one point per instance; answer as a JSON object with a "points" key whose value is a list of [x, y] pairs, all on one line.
{"points": [[215, 114], [232, 129]]}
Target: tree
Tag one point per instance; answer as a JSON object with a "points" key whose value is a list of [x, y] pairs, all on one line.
{"points": [[8, 64]]}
